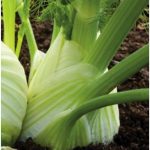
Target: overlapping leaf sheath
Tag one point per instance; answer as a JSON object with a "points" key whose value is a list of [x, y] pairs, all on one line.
{"points": [[14, 96], [61, 83]]}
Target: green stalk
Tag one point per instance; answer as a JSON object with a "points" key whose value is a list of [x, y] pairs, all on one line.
{"points": [[108, 81], [9, 22], [56, 30], [27, 7], [28, 31], [86, 24], [114, 33], [19, 40], [30, 39], [107, 100]]}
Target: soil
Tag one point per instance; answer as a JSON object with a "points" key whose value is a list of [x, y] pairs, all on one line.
{"points": [[134, 131]]}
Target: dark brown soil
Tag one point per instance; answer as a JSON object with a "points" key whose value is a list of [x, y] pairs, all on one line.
{"points": [[134, 131], [29, 145]]}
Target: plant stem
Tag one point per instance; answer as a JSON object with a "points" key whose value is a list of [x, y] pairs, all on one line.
{"points": [[114, 33], [86, 24], [19, 40], [107, 100], [28, 32], [30, 39], [56, 30], [9, 22], [105, 83]]}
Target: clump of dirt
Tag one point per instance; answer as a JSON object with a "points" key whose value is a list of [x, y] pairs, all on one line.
{"points": [[29, 145]]}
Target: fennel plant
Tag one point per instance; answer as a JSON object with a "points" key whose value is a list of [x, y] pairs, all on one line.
{"points": [[71, 98]]}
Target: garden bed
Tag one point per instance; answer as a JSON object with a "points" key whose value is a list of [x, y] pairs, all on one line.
{"points": [[134, 117]]}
